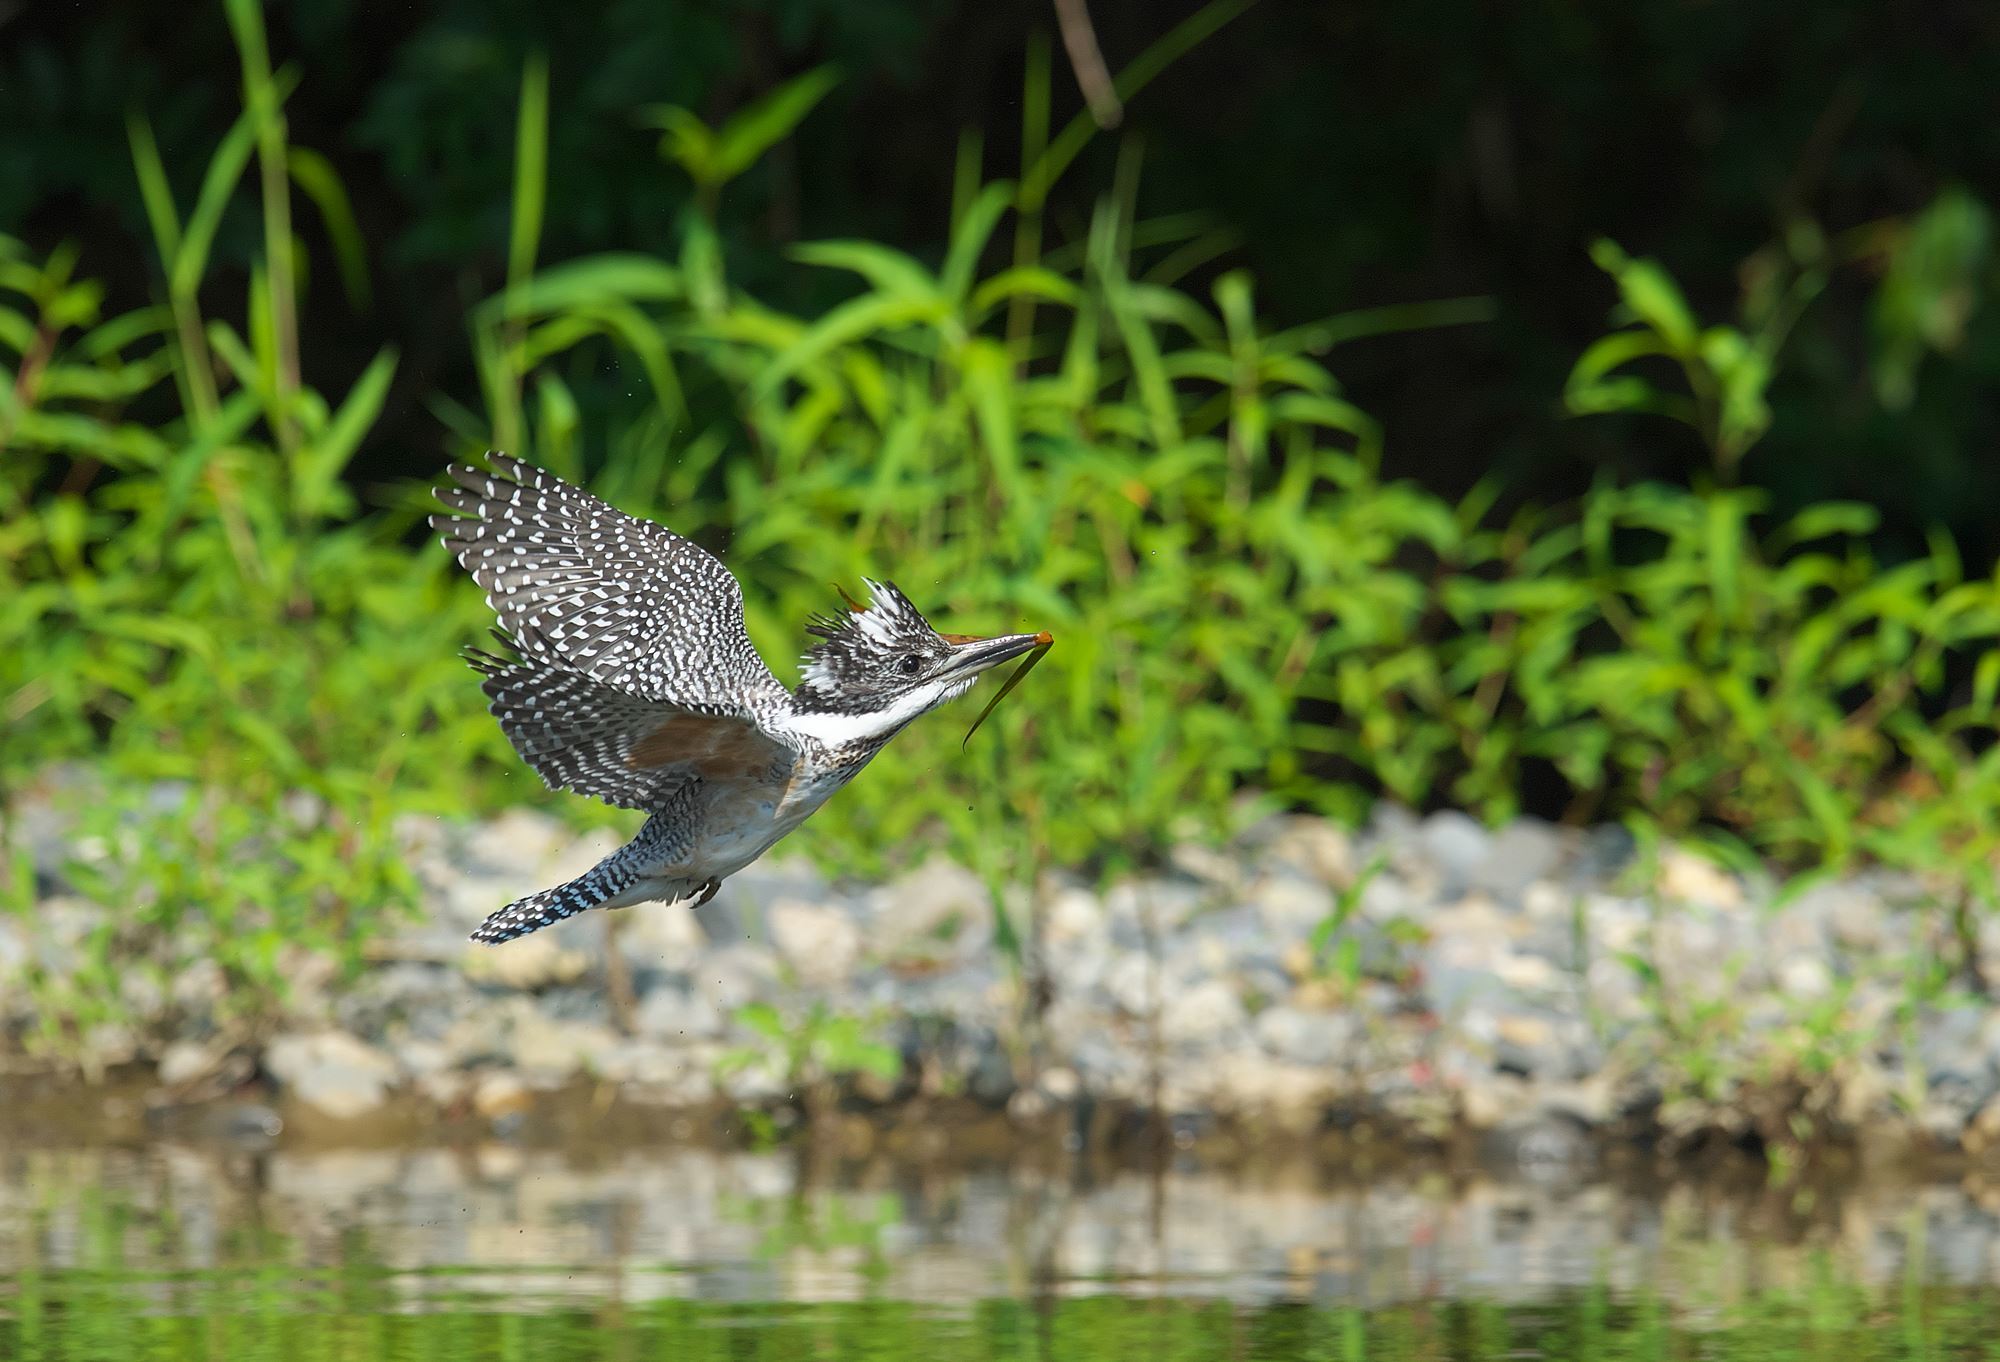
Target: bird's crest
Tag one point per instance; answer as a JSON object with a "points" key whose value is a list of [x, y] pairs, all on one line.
{"points": [[862, 640]]}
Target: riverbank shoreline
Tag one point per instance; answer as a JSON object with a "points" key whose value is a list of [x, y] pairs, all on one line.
{"points": [[1426, 980]]}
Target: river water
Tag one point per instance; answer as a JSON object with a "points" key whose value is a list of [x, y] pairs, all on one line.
{"points": [[174, 1251]]}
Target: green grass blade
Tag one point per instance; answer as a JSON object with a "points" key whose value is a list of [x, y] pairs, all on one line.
{"points": [[531, 172], [1028, 664], [154, 190], [315, 175]]}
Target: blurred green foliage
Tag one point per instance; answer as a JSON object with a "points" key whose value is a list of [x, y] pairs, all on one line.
{"points": [[1086, 431]]}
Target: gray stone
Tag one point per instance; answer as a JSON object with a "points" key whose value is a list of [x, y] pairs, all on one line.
{"points": [[736, 913], [1314, 848], [678, 1015], [1289, 905], [990, 1077], [540, 960], [656, 937], [1078, 968], [1951, 1046], [331, 1072], [974, 993], [584, 1002], [559, 1049], [734, 975], [1205, 865], [58, 929], [820, 944], [1544, 1147], [1321, 1039], [1457, 847], [1516, 856], [1151, 908], [940, 911], [1207, 1016], [14, 956], [1603, 854], [418, 996], [1450, 989], [1131, 985], [522, 841], [184, 1061]]}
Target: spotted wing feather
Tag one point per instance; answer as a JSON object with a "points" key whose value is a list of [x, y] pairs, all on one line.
{"points": [[581, 735], [621, 601], [576, 733]]}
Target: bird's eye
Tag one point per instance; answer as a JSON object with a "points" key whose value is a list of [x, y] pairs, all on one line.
{"points": [[912, 664]]}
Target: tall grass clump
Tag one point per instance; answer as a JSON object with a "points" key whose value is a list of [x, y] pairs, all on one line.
{"points": [[189, 591]]}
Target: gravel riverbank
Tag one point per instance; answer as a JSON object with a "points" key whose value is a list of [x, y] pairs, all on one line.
{"points": [[1427, 974]]}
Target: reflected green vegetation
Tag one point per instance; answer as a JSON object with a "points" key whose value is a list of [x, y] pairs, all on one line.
{"points": [[367, 1315]]}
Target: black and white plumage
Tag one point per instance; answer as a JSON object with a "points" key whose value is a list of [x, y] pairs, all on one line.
{"points": [[635, 682]]}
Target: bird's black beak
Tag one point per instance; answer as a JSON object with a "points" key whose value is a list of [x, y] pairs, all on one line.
{"points": [[970, 656]]}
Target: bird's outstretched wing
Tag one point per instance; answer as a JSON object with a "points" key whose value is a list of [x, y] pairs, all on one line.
{"points": [[635, 672], [581, 735], [625, 602]]}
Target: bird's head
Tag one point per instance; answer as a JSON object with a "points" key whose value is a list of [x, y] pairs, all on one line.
{"points": [[879, 666]]}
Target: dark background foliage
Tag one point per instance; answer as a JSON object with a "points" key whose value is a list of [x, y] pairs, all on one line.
{"points": [[1361, 154]]}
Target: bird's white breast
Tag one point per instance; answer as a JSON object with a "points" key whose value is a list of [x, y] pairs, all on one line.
{"points": [[741, 820]]}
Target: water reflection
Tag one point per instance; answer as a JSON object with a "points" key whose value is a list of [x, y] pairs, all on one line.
{"points": [[745, 1227]]}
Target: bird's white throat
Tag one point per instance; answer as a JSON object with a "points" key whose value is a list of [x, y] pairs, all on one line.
{"points": [[833, 729]]}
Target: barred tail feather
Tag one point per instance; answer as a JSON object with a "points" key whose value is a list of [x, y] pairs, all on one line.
{"points": [[544, 909]]}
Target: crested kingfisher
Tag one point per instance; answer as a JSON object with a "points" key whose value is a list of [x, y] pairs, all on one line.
{"points": [[634, 680]]}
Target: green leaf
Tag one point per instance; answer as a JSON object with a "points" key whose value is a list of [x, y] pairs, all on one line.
{"points": [[322, 462], [314, 174], [531, 171], [1652, 295], [761, 125]]}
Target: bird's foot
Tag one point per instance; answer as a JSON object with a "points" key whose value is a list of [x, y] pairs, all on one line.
{"points": [[707, 893]]}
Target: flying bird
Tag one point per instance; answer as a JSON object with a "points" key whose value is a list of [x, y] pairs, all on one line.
{"points": [[633, 680]]}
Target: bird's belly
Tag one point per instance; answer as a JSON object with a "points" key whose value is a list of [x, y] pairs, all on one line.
{"points": [[745, 819]]}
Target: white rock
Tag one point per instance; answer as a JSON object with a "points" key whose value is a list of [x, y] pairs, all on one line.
{"points": [[1614, 925], [1073, 915], [1290, 905], [331, 1072], [1130, 984], [1204, 864], [670, 1015], [1526, 973], [821, 944], [1805, 977], [184, 1060], [565, 859], [539, 960], [1696, 879], [1316, 1038], [735, 975], [940, 909], [660, 935], [1315, 848], [497, 1093], [518, 840], [1202, 1016], [546, 1046]]}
